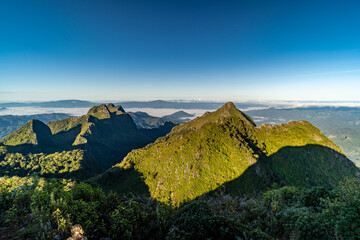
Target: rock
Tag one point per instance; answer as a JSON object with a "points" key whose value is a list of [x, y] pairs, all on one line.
{"points": [[77, 233], [77, 230]]}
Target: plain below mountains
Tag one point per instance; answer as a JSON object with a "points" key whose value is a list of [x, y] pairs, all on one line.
{"points": [[100, 138], [226, 150]]}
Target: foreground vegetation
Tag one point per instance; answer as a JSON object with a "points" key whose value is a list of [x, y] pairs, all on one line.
{"points": [[37, 208], [66, 164]]}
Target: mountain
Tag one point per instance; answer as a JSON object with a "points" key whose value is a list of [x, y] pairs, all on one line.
{"points": [[179, 116], [34, 132], [226, 150], [106, 134], [9, 123]]}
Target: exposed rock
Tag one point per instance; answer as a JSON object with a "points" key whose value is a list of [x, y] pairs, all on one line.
{"points": [[77, 233]]}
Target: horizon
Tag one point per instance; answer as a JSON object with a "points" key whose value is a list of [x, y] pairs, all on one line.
{"points": [[139, 51]]}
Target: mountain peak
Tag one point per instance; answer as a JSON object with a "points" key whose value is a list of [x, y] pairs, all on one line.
{"points": [[229, 110], [105, 111], [100, 111], [115, 109], [228, 105]]}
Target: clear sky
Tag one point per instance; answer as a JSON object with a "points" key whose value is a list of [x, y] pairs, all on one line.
{"points": [[211, 50]]}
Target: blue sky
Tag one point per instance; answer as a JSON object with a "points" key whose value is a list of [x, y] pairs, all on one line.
{"points": [[211, 50]]}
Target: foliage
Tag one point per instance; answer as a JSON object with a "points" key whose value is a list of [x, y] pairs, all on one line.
{"points": [[75, 163], [35, 208]]}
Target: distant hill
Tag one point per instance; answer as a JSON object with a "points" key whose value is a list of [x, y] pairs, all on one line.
{"points": [[144, 120], [52, 104], [106, 134], [9, 123], [179, 116], [183, 104], [130, 104], [225, 149]]}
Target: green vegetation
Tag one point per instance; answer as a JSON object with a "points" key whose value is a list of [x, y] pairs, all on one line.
{"points": [[67, 124], [225, 148], [37, 208], [67, 164]]}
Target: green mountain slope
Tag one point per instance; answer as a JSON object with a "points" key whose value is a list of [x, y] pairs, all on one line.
{"points": [[10, 123], [340, 124], [34, 132], [225, 148]]}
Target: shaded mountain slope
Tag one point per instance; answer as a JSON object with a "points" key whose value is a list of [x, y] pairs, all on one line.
{"points": [[226, 147]]}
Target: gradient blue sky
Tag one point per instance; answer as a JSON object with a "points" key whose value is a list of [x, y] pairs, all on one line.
{"points": [[211, 50]]}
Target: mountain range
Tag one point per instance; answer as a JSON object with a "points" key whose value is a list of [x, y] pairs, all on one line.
{"points": [[104, 135], [222, 150], [226, 150]]}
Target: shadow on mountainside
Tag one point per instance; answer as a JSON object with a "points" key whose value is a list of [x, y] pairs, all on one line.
{"points": [[122, 181], [300, 166]]}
